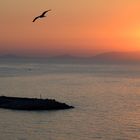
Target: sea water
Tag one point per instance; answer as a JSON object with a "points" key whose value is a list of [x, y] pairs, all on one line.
{"points": [[106, 99]]}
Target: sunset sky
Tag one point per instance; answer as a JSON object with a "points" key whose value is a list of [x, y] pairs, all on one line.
{"points": [[75, 27]]}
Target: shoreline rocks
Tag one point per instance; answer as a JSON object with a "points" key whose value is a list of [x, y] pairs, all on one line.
{"points": [[18, 103]]}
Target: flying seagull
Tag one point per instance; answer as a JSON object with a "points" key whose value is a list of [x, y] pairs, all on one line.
{"points": [[42, 15]]}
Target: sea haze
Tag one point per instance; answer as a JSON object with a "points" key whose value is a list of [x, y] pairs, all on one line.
{"points": [[106, 99]]}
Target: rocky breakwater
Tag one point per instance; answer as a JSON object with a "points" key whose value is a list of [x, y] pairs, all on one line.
{"points": [[18, 103]]}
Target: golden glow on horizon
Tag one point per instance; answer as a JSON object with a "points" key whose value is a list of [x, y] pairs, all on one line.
{"points": [[80, 28]]}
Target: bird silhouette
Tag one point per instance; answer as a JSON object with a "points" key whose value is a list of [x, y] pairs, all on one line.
{"points": [[42, 15]]}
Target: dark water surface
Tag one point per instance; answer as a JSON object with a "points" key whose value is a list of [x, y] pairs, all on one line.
{"points": [[106, 100]]}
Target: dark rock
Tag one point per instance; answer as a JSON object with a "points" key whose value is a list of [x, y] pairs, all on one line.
{"points": [[18, 103]]}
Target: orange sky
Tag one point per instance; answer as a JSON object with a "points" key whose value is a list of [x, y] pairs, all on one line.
{"points": [[82, 27]]}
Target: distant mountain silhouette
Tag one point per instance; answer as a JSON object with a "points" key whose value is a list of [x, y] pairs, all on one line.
{"points": [[108, 57], [117, 57], [64, 56], [9, 56]]}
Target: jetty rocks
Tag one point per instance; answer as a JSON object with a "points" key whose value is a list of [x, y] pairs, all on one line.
{"points": [[18, 103]]}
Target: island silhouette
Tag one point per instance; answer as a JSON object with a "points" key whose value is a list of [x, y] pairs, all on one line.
{"points": [[18, 103]]}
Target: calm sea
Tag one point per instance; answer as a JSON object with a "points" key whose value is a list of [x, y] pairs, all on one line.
{"points": [[106, 99]]}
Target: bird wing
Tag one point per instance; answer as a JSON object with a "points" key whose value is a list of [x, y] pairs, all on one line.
{"points": [[35, 19], [45, 12]]}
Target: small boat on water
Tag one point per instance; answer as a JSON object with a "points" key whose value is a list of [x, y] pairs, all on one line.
{"points": [[18, 103]]}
